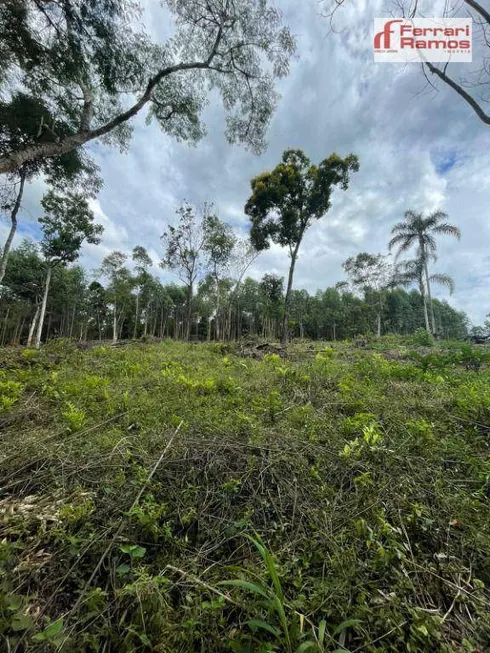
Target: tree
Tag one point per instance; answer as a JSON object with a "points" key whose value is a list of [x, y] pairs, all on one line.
{"points": [[372, 274], [284, 203], [23, 283], [272, 291], [142, 262], [413, 270], [219, 242], [184, 246], [66, 224], [486, 324], [120, 283], [421, 231], [20, 126], [84, 59], [472, 88]]}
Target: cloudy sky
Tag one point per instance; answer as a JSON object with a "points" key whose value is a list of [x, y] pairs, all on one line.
{"points": [[417, 150]]}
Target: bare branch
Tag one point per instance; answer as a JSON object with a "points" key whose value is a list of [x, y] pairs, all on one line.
{"points": [[484, 117]]}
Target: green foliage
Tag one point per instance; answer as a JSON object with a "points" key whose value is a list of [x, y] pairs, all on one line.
{"points": [[74, 417], [76, 63], [362, 478], [422, 338], [285, 201]]}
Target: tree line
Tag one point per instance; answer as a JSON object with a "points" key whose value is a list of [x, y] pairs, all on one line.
{"points": [[67, 70], [213, 298]]}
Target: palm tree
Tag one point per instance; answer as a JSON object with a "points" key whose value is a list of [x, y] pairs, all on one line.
{"points": [[421, 231], [411, 271]]}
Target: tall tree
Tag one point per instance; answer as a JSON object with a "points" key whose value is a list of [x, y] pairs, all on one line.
{"points": [[372, 274], [183, 249], [219, 242], [420, 231], [119, 282], [142, 261], [414, 270], [85, 59], [66, 224], [272, 291], [284, 203], [21, 120]]}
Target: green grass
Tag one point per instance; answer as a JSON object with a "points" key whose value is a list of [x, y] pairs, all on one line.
{"points": [[174, 497]]}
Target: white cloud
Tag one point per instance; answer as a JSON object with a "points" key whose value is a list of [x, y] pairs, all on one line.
{"points": [[336, 99]]}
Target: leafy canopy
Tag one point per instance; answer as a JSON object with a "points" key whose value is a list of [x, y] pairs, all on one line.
{"points": [[91, 67], [285, 201], [67, 223], [420, 231]]}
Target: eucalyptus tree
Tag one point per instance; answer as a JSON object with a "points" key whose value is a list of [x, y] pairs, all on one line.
{"points": [[370, 274], [66, 224], [272, 292], [23, 284], [97, 67], [119, 289], [420, 231], [219, 242], [184, 246], [142, 261], [20, 120], [285, 201]]}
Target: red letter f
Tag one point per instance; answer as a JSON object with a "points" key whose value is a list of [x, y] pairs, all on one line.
{"points": [[385, 35]]}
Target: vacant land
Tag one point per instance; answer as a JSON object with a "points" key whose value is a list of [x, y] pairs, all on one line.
{"points": [[174, 497]]}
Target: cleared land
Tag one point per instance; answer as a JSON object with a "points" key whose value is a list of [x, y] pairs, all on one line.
{"points": [[344, 493]]}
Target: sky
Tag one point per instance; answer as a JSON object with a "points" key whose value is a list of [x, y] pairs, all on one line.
{"points": [[417, 150]]}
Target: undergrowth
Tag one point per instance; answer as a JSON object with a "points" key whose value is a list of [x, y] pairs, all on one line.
{"points": [[171, 497]]}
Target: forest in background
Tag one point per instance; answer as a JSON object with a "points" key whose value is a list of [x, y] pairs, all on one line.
{"points": [[84, 309]]}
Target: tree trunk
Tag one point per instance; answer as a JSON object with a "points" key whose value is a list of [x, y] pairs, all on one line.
{"points": [[135, 330], [429, 297], [424, 303], [114, 324], [18, 330], [43, 308], [4, 330], [13, 227], [32, 328], [217, 324], [72, 325], [189, 313], [147, 312], [285, 319]]}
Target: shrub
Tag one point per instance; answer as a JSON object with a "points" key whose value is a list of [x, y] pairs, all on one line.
{"points": [[422, 338]]}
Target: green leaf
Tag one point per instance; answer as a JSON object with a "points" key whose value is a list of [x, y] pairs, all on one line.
{"points": [[14, 602], [259, 624], [133, 550], [21, 622], [422, 629], [50, 632], [322, 629], [138, 552], [348, 623], [122, 570], [55, 628], [306, 646], [247, 586]]}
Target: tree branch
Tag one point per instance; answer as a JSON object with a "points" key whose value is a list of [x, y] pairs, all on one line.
{"points": [[484, 117], [484, 13], [88, 107], [14, 161]]}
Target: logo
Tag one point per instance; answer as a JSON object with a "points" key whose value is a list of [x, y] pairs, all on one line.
{"points": [[415, 40]]}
